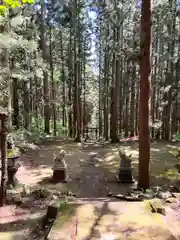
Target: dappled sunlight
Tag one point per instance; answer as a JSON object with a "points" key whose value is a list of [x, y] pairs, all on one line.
{"points": [[6, 235], [154, 150], [85, 212], [11, 213], [129, 150], [79, 144], [174, 152], [92, 154], [69, 154], [59, 147], [114, 149], [129, 220], [41, 155], [32, 176], [19, 218], [171, 174], [97, 165], [82, 160], [111, 161], [133, 153], [100, 161], [126, 148], [175, 146], [135, 162], [111, 157], [92, 173], [67, 213], [60, 187]]}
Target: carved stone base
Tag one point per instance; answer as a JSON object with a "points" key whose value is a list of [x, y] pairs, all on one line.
{"points": [[59, 175], [12, 180], [125, 177]]}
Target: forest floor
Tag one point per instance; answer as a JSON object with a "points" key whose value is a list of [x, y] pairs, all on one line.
{"points": [[91, 179]]}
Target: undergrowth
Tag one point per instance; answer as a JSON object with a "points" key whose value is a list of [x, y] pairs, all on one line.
{"points": [[35, 132]]}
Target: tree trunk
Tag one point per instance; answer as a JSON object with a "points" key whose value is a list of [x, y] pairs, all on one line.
{"points": [[3, 159], [70, 77], [133, 81], [25, 104], [53, 88], [113, 118], [145, 71], [106, 93], [63, 82], [45, 54], [15, 115]]}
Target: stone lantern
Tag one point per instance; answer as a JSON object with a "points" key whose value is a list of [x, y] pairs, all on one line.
{"points": [[125, 169], [59, 168], [13, 155]]}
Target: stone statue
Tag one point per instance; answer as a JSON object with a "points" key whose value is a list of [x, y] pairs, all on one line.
{"points": [[59, 167], [125, 168], [10, 142], [58, 160]]}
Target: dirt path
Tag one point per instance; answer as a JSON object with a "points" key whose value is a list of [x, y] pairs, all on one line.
{"points": [[91, 175], [92, 183], [92, 167], [86, 176]]}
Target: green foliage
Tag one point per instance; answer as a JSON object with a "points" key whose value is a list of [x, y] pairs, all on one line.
{"points": [[171, 174], [23, 135], [35, 131], [12, 4], [177, 137], [67, 211], [20, 40]]}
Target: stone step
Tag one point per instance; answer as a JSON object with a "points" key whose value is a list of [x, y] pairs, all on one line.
{"points": [[104, 218]]}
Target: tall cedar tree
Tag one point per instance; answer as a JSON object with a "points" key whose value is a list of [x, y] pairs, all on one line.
{"points": [[145, 71]]}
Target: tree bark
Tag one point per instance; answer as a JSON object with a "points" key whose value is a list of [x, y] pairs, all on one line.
{"points": [[3, 159], [145, 70], [15, 115], [53, 87], [45, 56]]}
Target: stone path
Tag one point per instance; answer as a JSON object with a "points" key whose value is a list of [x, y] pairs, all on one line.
{"points": [[104, 219]]}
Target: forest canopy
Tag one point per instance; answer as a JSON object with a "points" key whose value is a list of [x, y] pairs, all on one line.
{"points": [[6, 4]]}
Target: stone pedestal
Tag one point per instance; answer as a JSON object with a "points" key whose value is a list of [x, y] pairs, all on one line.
{"points": [[59, 175], [13, 166], [59, 168], [125, 169], [125, 176], [12, 180]]}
